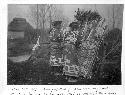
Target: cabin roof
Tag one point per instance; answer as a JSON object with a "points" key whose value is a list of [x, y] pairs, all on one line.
{"points": [[19, 24]]}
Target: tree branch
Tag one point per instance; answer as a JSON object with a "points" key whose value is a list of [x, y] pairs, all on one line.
{"points": [[114, 48]]}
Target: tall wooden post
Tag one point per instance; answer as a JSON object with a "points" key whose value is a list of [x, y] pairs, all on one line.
{"points": [[113, 16], [37, 17]]}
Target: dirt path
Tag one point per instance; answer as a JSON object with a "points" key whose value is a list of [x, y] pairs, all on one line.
{"points": [[20, 58]]}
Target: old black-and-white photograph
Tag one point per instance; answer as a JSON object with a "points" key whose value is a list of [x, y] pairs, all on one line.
{"points": [[64, 44]]}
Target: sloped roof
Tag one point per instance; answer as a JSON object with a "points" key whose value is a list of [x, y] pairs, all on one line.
{"points": [[19, 24]]}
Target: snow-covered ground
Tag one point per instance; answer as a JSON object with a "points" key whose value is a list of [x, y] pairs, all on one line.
{"points": [[20, 58]]}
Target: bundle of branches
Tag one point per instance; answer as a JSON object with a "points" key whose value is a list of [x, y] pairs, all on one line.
{"points": [[108, 68], [87, 16], [92, 34]]}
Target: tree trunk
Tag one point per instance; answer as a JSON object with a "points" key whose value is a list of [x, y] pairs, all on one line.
{"points": [[113, 16], [50, 19], [43, 30]]}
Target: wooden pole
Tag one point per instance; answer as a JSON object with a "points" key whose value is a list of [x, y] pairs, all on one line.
{"points": [[113, 9], [37, 17]]}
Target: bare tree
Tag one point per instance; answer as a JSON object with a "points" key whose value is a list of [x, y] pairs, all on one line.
{"points": [[119, 15], [43, 14], [39, 14], [57, 14], [115, 16]]}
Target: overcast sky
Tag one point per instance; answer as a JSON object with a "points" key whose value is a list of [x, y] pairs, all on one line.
{"points": [[68, 10]]}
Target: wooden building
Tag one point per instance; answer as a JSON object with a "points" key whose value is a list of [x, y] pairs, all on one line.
{"points": [[20, 36]]}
